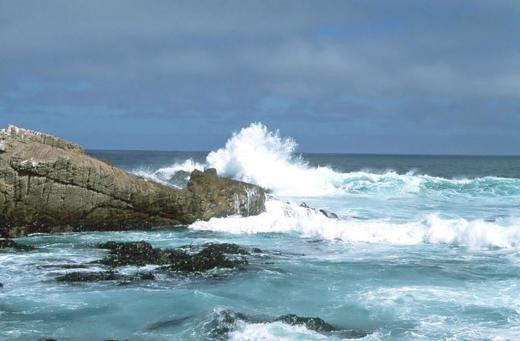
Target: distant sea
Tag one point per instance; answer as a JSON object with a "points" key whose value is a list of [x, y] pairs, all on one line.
{"points": [[423, 247]]}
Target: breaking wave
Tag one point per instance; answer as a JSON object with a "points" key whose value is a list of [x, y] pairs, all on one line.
{"points": [[263, 157], [281, 217]]}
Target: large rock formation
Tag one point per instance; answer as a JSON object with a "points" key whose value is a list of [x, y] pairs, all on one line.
{"points": [[48, 184]]}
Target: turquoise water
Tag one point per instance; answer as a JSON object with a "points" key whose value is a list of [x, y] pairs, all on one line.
{"points": [[425, 247]]}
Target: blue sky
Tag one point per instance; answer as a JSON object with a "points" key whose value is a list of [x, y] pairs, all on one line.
{"points": [[439, 77]]}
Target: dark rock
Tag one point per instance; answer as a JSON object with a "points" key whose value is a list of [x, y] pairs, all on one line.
{"points": [[224, 322], [134, 253], [168, 323], [142, 253], [209, 258], [228, 248], [50, 185], [103, 276], [328, 214], [312, 323], [1, 285], [11, 244], [90, 276]]}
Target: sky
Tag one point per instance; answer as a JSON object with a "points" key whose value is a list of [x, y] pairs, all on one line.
{"points": [[365, 76]]}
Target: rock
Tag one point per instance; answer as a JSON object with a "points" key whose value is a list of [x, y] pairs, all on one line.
{"points": [[328, 214], [180, 178], [138, 254], [312, 323], [168, 323], [103, 276], [1, 285], [50, 185], [11, 244], [90, 276], [141, 253], [210, 257]]}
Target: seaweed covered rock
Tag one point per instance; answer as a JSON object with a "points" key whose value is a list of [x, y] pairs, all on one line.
{"points": [[313, 323], [48, 184], [141, 253], [103, 276]]}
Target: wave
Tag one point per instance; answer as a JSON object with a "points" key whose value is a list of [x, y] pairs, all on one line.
{"points": [[166, 175], [263, 157], [282, 217]]}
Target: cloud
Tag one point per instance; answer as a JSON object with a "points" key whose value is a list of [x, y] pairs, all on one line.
{"points": [[369, 67]]}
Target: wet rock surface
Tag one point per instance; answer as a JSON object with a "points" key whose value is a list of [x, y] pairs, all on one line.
{"points": [[328, 214], [312, 323], [225, 322], [103, 276], [141, 253], [50, 185], [11, 244], [186, 259]]}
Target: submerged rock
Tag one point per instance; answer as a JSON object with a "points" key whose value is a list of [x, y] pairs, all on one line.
{"points": [[142, 253], [49, 185], [11, 244], [168, 323], [312, 323]]}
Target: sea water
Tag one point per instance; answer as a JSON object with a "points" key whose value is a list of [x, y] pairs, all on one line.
{"points": [[424, 247]]}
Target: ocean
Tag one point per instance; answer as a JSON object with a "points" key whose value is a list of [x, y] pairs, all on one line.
{"points": [[422, 248]]}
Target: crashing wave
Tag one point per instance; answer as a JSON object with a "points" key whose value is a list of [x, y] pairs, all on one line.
{"points": [[264, 158], [283, 217]]}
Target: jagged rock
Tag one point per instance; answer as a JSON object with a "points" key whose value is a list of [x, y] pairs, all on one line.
{"points": [[141, 253], [312, 323], [11, 244], [50, 185]]}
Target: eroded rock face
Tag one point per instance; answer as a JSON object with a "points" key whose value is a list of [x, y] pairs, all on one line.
{"points": [[48, 184]]}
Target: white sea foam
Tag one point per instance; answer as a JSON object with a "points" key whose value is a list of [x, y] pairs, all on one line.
{"points": [[281, 217], [262, 157], [277, 331], [165, 174]]}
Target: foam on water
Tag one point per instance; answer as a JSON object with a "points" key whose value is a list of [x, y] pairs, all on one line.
{"points": [[281, 217], [165, 174], [276, 331], [262, 157]]}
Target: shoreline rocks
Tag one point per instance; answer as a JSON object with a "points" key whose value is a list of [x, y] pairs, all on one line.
{"points": [[141, 253], [182, 260], [50, 185]]}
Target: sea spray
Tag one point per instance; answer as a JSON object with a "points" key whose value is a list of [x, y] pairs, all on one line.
{"points": [[263, 157], [285, 217]]}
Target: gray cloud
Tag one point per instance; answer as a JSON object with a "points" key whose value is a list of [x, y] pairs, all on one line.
{"points": [[364, 68]]}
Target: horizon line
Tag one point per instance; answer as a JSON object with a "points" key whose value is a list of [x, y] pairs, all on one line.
{"points": [[308, 153]]}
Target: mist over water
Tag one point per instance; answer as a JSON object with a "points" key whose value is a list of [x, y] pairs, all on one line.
{"points": [[423, 247]]}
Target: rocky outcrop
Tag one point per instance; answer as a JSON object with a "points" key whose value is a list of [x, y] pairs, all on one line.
{"points": [[210, 256], [48, 184]]}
